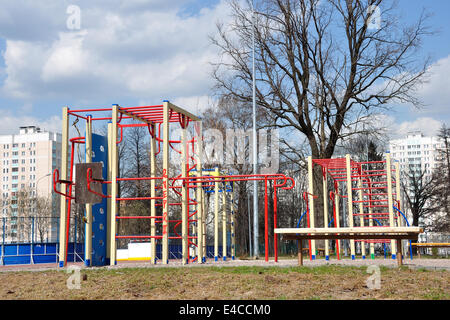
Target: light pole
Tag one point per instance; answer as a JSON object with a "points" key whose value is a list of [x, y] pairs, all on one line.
{"points": [[36, 188], [255, 147], [36, 199]]}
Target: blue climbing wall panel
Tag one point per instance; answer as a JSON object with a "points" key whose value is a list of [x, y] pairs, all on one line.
{"points": [[99, 221]]}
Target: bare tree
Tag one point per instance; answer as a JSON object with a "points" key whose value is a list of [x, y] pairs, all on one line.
{"points": [[322, 72], [418, 190], [43, 217], [320, 69], [441, 183]]}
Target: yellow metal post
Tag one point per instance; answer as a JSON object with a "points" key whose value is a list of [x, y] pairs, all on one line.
{"points": [[400, 221], [216, 215], [201, 236], [88, 232], [153, 195], [325, 211], [350, 202], [63, 176], [114, 185], [361, 217], [108, 200], [398, 198], [311, 203], [372, 246], [390, 201], [165, 189], [224, 221], [184, 204]]}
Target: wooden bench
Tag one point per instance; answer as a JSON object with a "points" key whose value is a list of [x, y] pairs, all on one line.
{"points": [[430, 245], [360, 233]]}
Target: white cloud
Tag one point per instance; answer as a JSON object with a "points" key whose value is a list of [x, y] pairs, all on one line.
{"points": [[435, 93], [428, 126], [125, 49], [11, 123]]}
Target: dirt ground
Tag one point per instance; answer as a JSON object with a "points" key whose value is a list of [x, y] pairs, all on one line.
{"points": [[241, 279]]}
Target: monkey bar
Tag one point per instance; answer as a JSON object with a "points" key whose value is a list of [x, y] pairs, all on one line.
{"points": [[368, 187], [184, 188]]}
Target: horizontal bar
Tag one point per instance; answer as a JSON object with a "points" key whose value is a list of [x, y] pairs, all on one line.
{"points": [[349, 230]]}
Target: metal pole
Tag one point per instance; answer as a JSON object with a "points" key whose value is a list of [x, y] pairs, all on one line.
{"points": [[32, 239], [249, 227], [3, 240], [255, 151]]}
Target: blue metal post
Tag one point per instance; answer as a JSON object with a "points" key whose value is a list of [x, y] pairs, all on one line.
{"points": [[32, 240], [3, 240]]}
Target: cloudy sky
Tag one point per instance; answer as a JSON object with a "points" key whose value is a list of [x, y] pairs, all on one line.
{"points": [[135, 52]]}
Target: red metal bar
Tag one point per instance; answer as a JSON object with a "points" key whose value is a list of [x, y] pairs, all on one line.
{"points": [[69, 201], [332, 198], [138, 217], [275, 235]]}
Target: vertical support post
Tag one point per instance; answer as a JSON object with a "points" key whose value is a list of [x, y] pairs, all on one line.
{"points": [[390, 201], [88, 209], [184, 197], [275, 212], [114, 185], [398, 197], [361, 212], [312, 252], [325, 210], [372, 245], [233, 239], [400, 221], [266, 221], [32, 240], [203, 237], [399, 254], [3, 240], [350, 202], [153, 195], [165, 189], [109, 238], [63, 176], [300, 251], [201, 234], [224, 222], [216, 215]]}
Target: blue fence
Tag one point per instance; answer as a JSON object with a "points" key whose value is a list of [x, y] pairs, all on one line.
{"points": [[36, 253], [28, 253]]}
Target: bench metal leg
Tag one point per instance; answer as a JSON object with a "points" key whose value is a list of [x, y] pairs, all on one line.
{"points": [[399, 253], [300, 252]]}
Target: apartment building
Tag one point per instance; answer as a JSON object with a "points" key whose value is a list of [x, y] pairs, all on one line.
{"points": [[416, 152], [27, 161]]}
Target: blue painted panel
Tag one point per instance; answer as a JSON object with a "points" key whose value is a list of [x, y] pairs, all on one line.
{"points": [[48, 258], [99, 223], [38, 248], [51, 248], [17, 260], [11, 249], [24, 249]]}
